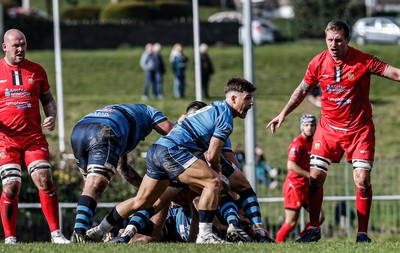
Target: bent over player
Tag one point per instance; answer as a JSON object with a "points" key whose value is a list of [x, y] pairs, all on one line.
{"points": [[346, 126], [100, 142], [174, 156]]}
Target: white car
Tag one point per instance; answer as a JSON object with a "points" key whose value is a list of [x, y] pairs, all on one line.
{"points": [[263, 31], [381, 30]]}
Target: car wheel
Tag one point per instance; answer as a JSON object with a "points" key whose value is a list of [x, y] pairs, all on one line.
{"points": [[361, 40]]}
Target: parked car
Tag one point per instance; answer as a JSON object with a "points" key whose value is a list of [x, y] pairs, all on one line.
{"points": [[263, 31], [382, 30], [225, 16]]}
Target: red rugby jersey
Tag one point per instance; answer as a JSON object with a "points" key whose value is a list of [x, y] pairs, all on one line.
{"points": [[345, 86], [20, 88], [299, 152]]}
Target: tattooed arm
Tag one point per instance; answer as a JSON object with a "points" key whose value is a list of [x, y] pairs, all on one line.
{"points": [[295, 100], [50, 110]]}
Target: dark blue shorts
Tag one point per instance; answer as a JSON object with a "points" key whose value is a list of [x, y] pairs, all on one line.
{"points": [[167, 163], [95, 143]]}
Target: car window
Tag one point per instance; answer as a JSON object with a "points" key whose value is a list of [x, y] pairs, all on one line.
{"points": [[369, 22], [386, 23]]}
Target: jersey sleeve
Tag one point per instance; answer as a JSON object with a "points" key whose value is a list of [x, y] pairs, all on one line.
{"points": [[156, 116], [312, 77], [224, 126], [294, 152], [376, 66]]}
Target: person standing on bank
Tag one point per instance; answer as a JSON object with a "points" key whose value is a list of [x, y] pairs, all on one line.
{"points": [[207, 69], [23, 85]]}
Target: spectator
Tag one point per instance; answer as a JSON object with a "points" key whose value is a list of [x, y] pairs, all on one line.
{"points": [[178, 61], [240, 156], [24, 86], [263, 167], [341, 215], [147, 64], [159, 70], [207, 69]]}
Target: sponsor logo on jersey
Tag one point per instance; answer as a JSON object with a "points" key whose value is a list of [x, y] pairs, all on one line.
{"points": [[350, 76], [3, 81], [3, 155], [31, 80], [317, 145]]}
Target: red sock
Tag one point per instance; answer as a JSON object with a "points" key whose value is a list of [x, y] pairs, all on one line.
{"points": [[49, 202], [315, 203], [306, 227], [9, 214], [363, 203], [283, 232]]}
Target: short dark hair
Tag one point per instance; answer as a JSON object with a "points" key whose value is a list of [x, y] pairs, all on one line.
{"points": [[338, 25], [195, 105], [239, 84]]}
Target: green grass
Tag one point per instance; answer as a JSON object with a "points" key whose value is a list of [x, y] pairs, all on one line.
{"points": [[320, 247]]}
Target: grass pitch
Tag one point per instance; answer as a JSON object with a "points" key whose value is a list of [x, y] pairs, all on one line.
{"points": [[320, 247]]}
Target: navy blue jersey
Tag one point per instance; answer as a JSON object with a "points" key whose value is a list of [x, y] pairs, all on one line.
{"points": [[131, 123], [196, 130]]}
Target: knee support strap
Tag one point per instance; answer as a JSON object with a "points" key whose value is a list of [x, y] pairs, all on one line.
{"points": [[361, 165], [320, 163], [10, 173], [39, 166], [97, 170]]}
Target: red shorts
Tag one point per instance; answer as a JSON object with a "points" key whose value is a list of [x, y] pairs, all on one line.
{"points": [[294, 198], [28, 148], [333, 143]]}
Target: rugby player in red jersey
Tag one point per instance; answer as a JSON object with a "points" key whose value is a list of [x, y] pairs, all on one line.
{"points": [[346, 126], [22, 85], [295, 188]]}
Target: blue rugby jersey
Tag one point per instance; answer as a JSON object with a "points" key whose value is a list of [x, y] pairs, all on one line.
{"points": [[195, 132], [130, 122]]}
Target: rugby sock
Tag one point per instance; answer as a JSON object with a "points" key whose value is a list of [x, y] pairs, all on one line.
{"points": [[251, 206], [315, 195], [228, 209], [306, 227], [85, 211], [138, 222], [206, 218], [112, 219], [49, 203], [363, 203], [9, 214], [283, 232]]}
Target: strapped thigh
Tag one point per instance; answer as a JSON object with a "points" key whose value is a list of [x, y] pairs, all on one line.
{"points": [[10, 173], [98, 170], [42, 165], [359, 164], [319, 163]]}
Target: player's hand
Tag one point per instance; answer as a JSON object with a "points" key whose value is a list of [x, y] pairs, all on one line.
{"points": [[275, 123], [49, 123]]}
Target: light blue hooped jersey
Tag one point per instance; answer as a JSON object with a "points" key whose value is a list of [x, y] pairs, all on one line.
{"points": [[131, 123], [195, 132]]}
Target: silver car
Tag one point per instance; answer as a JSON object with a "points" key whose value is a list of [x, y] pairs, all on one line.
{"points": [[380, 30]]}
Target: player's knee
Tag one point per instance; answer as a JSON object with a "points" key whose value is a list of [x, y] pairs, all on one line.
{"points": [[41, 174], [10, 175], [362, 177]]}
